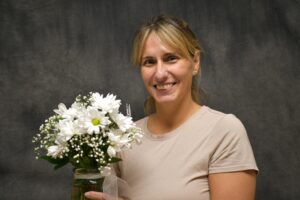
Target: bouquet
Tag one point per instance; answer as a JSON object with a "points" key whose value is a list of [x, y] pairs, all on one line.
{"points": [[88, 135]]}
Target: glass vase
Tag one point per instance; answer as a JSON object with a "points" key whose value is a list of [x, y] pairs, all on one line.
{"points": [[85, 180]]}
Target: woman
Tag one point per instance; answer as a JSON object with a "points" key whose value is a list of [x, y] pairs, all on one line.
{"points": [[189, 151]]}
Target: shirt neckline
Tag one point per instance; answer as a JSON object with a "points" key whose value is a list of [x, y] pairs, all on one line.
{"points": [[175, 131]]}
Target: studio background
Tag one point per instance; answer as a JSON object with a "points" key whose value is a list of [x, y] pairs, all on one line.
{"points": [[51, 51]]}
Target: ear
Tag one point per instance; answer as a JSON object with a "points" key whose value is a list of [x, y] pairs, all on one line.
{"points": [[196, 64]]}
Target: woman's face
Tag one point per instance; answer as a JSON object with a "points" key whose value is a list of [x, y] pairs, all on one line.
{"points": [[166, 74]]}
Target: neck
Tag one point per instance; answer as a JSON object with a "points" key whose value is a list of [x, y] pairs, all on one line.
{"points": [[170, 116]]}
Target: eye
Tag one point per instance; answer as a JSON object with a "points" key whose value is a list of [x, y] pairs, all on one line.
{"points": [[171, 58], [148, 62]]}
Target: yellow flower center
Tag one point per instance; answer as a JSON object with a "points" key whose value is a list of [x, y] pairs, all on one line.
{"points": [[95, 121]]}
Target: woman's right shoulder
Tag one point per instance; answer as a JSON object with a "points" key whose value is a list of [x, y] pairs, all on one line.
{"points": [[141, 122]]}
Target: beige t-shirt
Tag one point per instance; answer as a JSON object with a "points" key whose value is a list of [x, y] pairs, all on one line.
{"points": [[176, 165]]}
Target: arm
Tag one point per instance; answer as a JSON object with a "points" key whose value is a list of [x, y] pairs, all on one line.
{"points": [[233, 185], [232, 167]]}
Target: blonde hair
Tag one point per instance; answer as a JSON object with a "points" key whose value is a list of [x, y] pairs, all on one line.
{"points": [[176, 34]]}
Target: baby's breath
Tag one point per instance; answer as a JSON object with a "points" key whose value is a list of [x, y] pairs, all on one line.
{"points": [[84, 100], [71, 135]]}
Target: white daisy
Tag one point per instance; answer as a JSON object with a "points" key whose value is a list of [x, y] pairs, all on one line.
{"points": [[124, 122], [117, 141], [94, 120], [118, 137], [107, 104], [54, 151], [64, 112], [67, 129], [57, 150]]}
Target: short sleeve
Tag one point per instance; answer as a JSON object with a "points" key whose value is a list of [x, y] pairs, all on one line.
{"points": [[231, 149]]}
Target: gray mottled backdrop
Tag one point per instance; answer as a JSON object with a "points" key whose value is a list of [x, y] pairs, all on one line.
{"points": [[52, 50]]}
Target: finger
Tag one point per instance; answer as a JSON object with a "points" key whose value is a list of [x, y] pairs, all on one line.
{"points": [[94, 195]]}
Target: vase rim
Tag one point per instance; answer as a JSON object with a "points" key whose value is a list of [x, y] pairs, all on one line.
{"points": [[82, 173]]}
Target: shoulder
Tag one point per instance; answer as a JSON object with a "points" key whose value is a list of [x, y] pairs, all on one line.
{"points": [[224, 120], [231, 123], [230, 146], [226, 124], [141, 122]]}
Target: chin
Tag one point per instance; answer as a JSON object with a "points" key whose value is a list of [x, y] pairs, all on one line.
{"points": [[164, 100]]}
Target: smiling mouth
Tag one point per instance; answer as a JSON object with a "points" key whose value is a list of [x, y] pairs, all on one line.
{"points": [[164, 86]]}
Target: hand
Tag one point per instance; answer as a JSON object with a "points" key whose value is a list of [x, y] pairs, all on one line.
{"points": [[94, 195], [97, 196]]}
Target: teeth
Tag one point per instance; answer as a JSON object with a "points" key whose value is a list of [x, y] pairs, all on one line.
{"points": [[164, 86]]}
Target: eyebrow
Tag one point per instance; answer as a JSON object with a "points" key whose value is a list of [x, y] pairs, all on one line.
{"points": [[164, 55], [171, 54], [146, 57]]}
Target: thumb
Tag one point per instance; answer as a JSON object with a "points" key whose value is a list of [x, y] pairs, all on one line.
{"points": [[94, 195]]}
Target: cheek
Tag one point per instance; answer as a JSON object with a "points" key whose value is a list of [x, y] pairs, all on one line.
{"points": [[184, 74], [183, 69], [145, 74]]}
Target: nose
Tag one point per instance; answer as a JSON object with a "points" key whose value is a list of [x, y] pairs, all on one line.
{"points": [[161, 73]]}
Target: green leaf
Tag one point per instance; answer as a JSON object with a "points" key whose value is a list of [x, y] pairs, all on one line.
{"points": [[62, 163], [115, 159], [58, 162], [87, 162]]}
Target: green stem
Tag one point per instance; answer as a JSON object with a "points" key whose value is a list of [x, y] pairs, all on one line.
{"points": [[81, 193]]}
